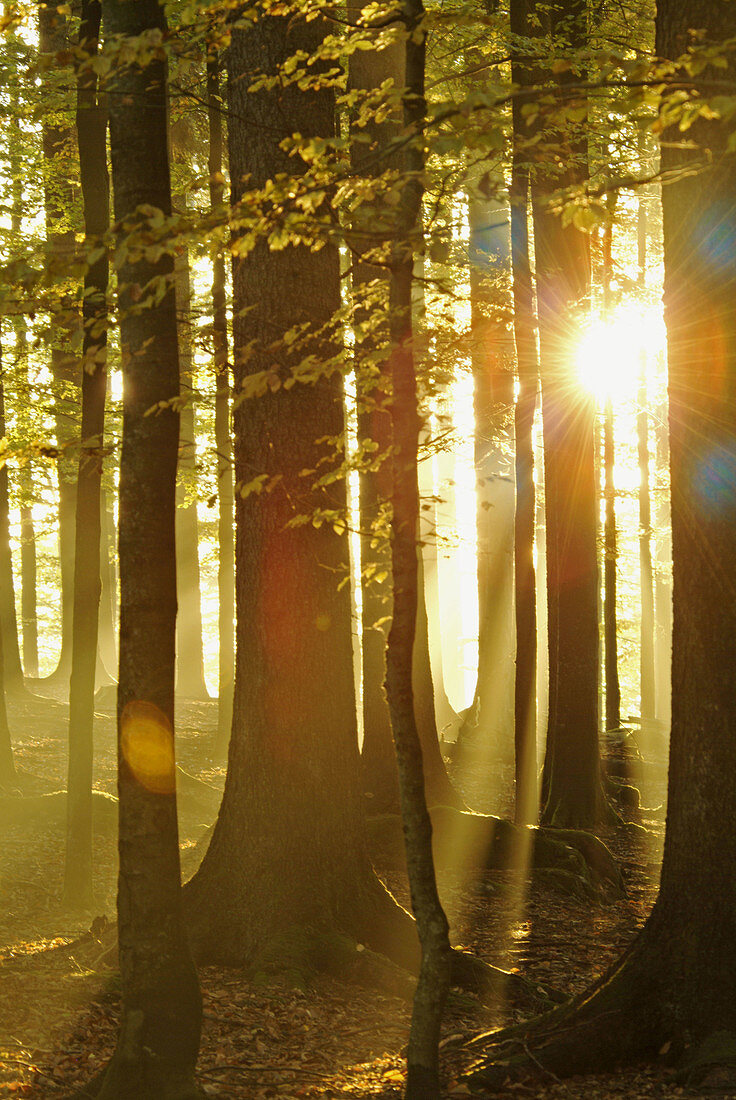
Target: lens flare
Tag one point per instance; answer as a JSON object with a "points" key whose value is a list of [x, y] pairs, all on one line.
{"points": [[147, 743]]}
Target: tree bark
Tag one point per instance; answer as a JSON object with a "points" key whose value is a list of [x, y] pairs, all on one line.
{"points": [[7, 762], [29, 617], [526, 805], [161, 1011], [610, 548], [58, 202], [190, 682], [434, 974], [223, 442], [292, 780], [574, 795], [372, 226], [92, 138], [493, 401]]}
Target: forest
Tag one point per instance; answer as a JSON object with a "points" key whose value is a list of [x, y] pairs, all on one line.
{"points": [[368, 549]]}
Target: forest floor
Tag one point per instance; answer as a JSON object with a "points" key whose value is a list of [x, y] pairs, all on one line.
{"points": [[59, 997]]}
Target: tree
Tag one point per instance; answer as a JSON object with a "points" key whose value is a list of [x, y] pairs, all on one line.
{"points": [[293, 762], [92, 138], [161, 1011], [372, 155], [58, 208], [610, 553], [223, 444], [435, 970], [573, 789], [525, 685], [673, 984]]}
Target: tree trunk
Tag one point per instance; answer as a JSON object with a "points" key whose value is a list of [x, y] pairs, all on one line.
{"points": [[526, 806], [434, 974], [161, 1010], [223, 443], [190, 682], [58, 201], [12, 668], [372, 223], [610, 548], [29, 617], [674, 984], [574, 795], [7, 762], [493, 400], [663, 591], [292, 783], [107, 642], [92, 138]]}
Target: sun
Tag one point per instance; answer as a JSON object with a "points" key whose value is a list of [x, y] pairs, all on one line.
{"points": [[612, 352]]}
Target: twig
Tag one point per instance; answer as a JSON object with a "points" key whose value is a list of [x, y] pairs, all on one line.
{"points": [[31, 1065], [240, 1067]]}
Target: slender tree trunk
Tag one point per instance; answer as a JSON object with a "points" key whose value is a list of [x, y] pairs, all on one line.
{"points": [[29, 617], [7, 762], [525, 584], [13, 670], [610, 549], [189, 649], [663, 592], [58, 201], [646, 665], [28, 609], [493, 401], [369, 70], [92, 137], [223, 443], [107, 642], [161, 1009], [434, 975]]}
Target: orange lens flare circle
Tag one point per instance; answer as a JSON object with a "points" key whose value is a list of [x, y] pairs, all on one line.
{"points": [[147, 744]]}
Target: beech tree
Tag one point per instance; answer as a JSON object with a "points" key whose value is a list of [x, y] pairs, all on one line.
{"points": [[673, 985], [92, 138], [572, 792], [161, 1008]]}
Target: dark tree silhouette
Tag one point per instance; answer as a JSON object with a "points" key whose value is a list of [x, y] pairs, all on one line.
{"points": [[161, 1010]]}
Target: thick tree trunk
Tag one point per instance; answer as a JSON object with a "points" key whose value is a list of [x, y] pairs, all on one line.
{"points": [[574, 794], [293, 761], [526, 805], [161, 1010], [190, 682], [674, 985], [92, 138], [223, 442], [58, 201]]}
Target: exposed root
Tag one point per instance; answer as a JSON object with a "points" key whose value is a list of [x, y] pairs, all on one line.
{"points": [[134, 1072], [474, 842], [627, 1015]]}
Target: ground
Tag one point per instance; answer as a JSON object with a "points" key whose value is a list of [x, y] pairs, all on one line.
{"points": [[58, 993]]}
